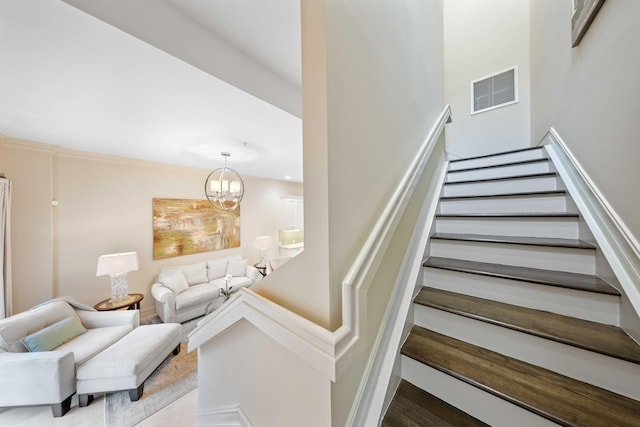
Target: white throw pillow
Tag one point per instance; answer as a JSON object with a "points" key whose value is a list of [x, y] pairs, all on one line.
{"points": [[174, 280], [195, 273], [216, 268], [236, 267]]}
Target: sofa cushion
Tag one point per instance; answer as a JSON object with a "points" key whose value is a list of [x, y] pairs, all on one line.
{"points": [[92, 342], [196, 295], [216, 268], [174, 280], [54, 335], [236, 267], [195, 273], [18, 326]]}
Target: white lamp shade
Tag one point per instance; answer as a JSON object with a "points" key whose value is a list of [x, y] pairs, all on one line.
{"points": [[263, 242], [117, 263]]}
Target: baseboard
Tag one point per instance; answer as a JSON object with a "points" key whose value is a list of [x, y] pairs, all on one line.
{"points": [[225, 416], [147, 313], [617, 243]]}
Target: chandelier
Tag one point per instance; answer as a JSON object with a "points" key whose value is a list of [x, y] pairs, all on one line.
{"points": [[224, 188]]}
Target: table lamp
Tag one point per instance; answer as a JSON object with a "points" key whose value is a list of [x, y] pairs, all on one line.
{"points": [[118, 266], [262, 243]]}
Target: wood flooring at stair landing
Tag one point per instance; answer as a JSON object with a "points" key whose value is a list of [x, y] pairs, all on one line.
{"points": [[414, 407]]}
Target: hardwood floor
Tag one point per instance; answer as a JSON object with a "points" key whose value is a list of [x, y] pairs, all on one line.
{"points": [[507, 195], [583, 282], [558, 398], [604, 339], [535, 241], [414, 407]]}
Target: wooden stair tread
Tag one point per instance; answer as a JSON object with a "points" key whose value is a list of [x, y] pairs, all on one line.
{"points": [[516, 240], [558, 398], [500, 165], [413, 407], [508, 195], [600, 338], [505, 178], [511, 215], [582, 282], [501, 153]]}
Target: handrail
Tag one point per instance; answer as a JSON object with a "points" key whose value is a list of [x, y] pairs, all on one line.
{"points": [[354, 283], [616, 241], [328, 352]]}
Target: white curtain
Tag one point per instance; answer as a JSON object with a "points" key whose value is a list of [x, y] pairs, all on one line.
{"points": [[5, 248]]}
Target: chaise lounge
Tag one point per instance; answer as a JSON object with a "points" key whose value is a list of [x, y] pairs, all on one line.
{"points": [[57, 348]]}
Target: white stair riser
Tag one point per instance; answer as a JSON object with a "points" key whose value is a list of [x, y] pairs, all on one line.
{"points": [[594, 368], [501, 158], [548, 203], [543, 257], [507, 186], [560, 227], [591, 306], [500, 171], [475, 402]]}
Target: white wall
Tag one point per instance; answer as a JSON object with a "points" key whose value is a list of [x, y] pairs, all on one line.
{"points": [[385, 89], [29, 169], [372, 87], [590, 95], [275, 391], [480, 39], [302, 285]]}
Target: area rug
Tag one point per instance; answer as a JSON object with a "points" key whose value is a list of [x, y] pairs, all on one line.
{"points": [[174, 378]]}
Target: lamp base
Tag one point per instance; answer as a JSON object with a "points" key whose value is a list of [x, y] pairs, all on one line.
{"points": [[263, 257], [119, 286]]}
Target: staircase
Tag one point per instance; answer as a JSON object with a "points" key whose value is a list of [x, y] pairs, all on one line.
{"points": [[512, 326]]}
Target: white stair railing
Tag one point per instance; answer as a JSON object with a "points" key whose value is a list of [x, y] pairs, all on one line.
{"points": [[330, 353], [615, 240]]}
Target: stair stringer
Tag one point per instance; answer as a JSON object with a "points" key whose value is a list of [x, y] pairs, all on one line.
{"points": [[382, 377], [617, 244]]}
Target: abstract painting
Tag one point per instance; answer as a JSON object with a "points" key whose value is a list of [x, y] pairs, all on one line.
{"points": [[187, 226]]}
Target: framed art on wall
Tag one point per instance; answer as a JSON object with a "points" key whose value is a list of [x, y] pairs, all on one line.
{"points": [[584, 12], [188, 226]]}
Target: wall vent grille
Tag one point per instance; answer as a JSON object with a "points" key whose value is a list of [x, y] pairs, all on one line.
{"points": [[497, 90]]}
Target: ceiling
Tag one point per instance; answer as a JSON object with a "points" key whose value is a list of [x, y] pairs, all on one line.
{"points": [[173, 81]]}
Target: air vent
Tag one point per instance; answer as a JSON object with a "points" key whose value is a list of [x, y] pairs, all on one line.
{"points": [[494, 91]]}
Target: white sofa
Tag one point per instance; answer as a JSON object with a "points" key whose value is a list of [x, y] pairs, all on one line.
{"points": [[182, 293], [41, 377]]}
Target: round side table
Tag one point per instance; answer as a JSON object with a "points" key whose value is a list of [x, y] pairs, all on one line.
{"points": [[132, 302]]}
